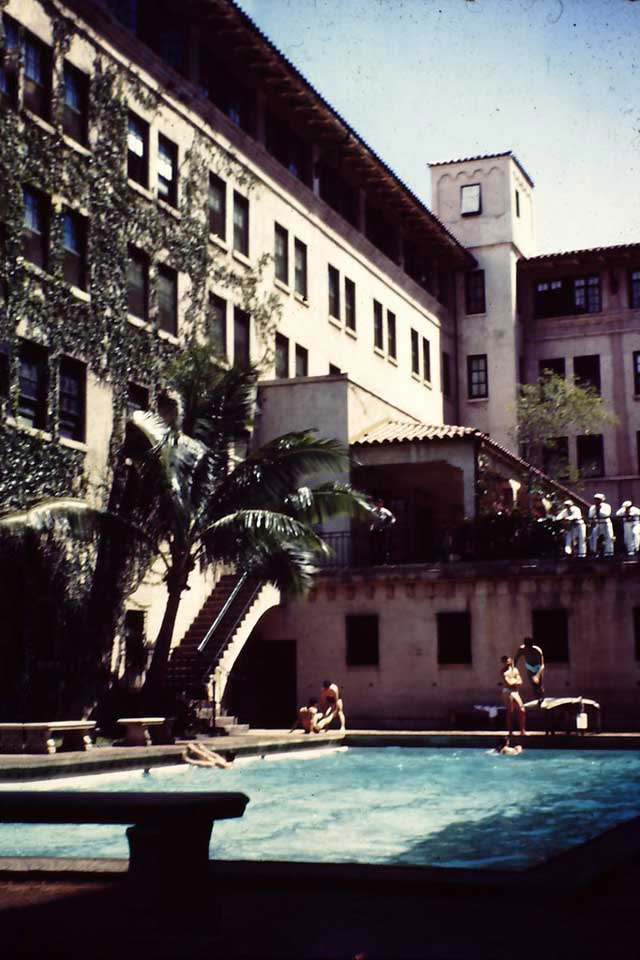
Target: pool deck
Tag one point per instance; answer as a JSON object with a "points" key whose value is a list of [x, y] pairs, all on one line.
{"points": [[296, 911]]}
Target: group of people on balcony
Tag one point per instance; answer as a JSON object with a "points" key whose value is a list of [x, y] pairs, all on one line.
{"points": [[600, 527]]}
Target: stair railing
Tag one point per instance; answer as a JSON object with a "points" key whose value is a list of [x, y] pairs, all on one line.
{"points": [[234, 593], [238, 618]]}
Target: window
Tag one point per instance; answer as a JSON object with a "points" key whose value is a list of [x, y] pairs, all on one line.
{"points": [[517, 203], [590, 451], [586, 370], [636, 372], [281, 254], [300, 280], [378, 326], [302, 361], [392, 347], [285, 146], [638, 448], [135, 651], [168, 300], [5, 369], [167, 169], [74, 229], [34, 384], [554, 365], [634, 289], [138, 284], [36, 227], [334, 293], [477, 377], [349, 304], [71, 399], [75, 103], [566, 296], [137, 398], [636, 632], [426, 360], [138, 150], [454, 637], [9, 66], [217, 317], [217, 206], [470, 200], [445, 374], [550, 629], [362, 640], [37, 76], [474, 292], [241, 341], [240, 224], [555, 458], [282, 356], [415, 355]]}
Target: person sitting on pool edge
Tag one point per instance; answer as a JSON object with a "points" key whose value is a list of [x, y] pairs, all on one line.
{"points": [[333, 706], [307, 717], [534, 664], [510, 682], [200, 756]]}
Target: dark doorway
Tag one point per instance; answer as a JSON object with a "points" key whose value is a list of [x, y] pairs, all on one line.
{"points": [[262, 685]]}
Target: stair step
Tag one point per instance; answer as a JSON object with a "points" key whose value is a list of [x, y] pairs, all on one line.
{"points": [[225, 721], [233, 729]]}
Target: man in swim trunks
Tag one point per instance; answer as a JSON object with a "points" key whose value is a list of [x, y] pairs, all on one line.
{"points": [[200, 756], [307, 717], [331, 705], [533, 663], [510, 682], [506, 750]]}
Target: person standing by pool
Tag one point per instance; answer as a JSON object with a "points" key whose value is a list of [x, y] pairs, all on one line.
{"points": [[332, 706], [307, 717], [510, 682], [533, 663]]}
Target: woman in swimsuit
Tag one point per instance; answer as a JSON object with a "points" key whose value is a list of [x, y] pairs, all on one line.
{"points": [[510, 682]]}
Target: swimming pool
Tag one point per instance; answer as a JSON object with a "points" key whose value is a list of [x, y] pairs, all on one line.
{"points": [[393, 805]]}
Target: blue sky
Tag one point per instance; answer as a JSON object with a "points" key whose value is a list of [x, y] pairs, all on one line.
{"points": [[556, 81]]}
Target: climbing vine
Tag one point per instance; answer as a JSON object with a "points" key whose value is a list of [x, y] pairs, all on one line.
{"points": [[41, 307]]}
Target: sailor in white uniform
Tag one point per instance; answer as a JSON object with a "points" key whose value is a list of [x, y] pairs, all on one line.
{"points": [[575, 535], [631, 526], [600, 520]]}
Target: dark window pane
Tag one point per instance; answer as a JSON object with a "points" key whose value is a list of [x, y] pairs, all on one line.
{"points": [[477, 377], [634, 289], [138, 150], [454, 637], [554, 365], [138, 284], [349, 304], [587, 371], [415, 355], [71, 399], [334, 293], [301, 269], [378, 331], [75, 105], [37, 76], [392, 348], [590, 452], [217, 206], [241, 224], [34, 383], [9, 65], [302, 361], [36, 227], [281, 254], [168, 300], [474, 289], [137, 398], [282, 356], [218, 325], [75, 249], [241, 342], [362, 640], [167, 170], [426, 359], [550, 629], [636, 372]]}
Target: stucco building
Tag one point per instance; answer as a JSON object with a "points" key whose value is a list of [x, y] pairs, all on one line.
{"points": [[151, 157]]}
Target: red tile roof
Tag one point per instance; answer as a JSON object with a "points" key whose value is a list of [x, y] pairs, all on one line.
{"points": [[487, 156], [613, 248]]}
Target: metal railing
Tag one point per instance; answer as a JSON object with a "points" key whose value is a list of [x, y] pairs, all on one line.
{"points": [[212, 658]]}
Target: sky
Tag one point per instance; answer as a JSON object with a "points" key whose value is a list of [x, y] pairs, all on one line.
{"points": [[555, 81]]}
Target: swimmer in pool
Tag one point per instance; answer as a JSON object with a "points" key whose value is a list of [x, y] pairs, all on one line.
{"points": [[200, 756], [510, 683], [533, 659], [506, 750]]}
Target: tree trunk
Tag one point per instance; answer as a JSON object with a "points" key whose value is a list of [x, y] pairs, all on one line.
{"points": [[157, 672]]}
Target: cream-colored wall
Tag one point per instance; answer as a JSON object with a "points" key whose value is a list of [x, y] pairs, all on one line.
{"points": [[408, 689]]}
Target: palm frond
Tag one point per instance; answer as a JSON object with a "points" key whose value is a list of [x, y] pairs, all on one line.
{"points": [[76, 516], [329, 500]]}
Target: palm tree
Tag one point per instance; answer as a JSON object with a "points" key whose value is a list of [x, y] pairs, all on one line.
{"points": [[203, 508]]}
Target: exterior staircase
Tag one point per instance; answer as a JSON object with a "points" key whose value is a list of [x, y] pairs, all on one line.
{"points": [[213, 642]]}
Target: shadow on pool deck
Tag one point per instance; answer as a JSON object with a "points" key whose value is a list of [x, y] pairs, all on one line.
{"points": [[579, 905]]}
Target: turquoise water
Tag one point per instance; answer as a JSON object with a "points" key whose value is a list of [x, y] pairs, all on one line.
{"points": [[445, 807]]}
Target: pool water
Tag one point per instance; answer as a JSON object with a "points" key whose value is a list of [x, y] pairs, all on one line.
{"points": [[444, 807]]}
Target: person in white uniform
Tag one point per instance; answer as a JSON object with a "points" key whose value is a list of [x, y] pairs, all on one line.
{"points": [[600, 521], [631, 526], [575, 534]]}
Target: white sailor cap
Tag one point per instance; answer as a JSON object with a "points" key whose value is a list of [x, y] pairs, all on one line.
{"points": [[598, 496], [568, 503], [627, 503]]}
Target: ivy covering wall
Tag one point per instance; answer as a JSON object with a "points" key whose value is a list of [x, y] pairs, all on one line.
{"points": [[40, 306]]}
